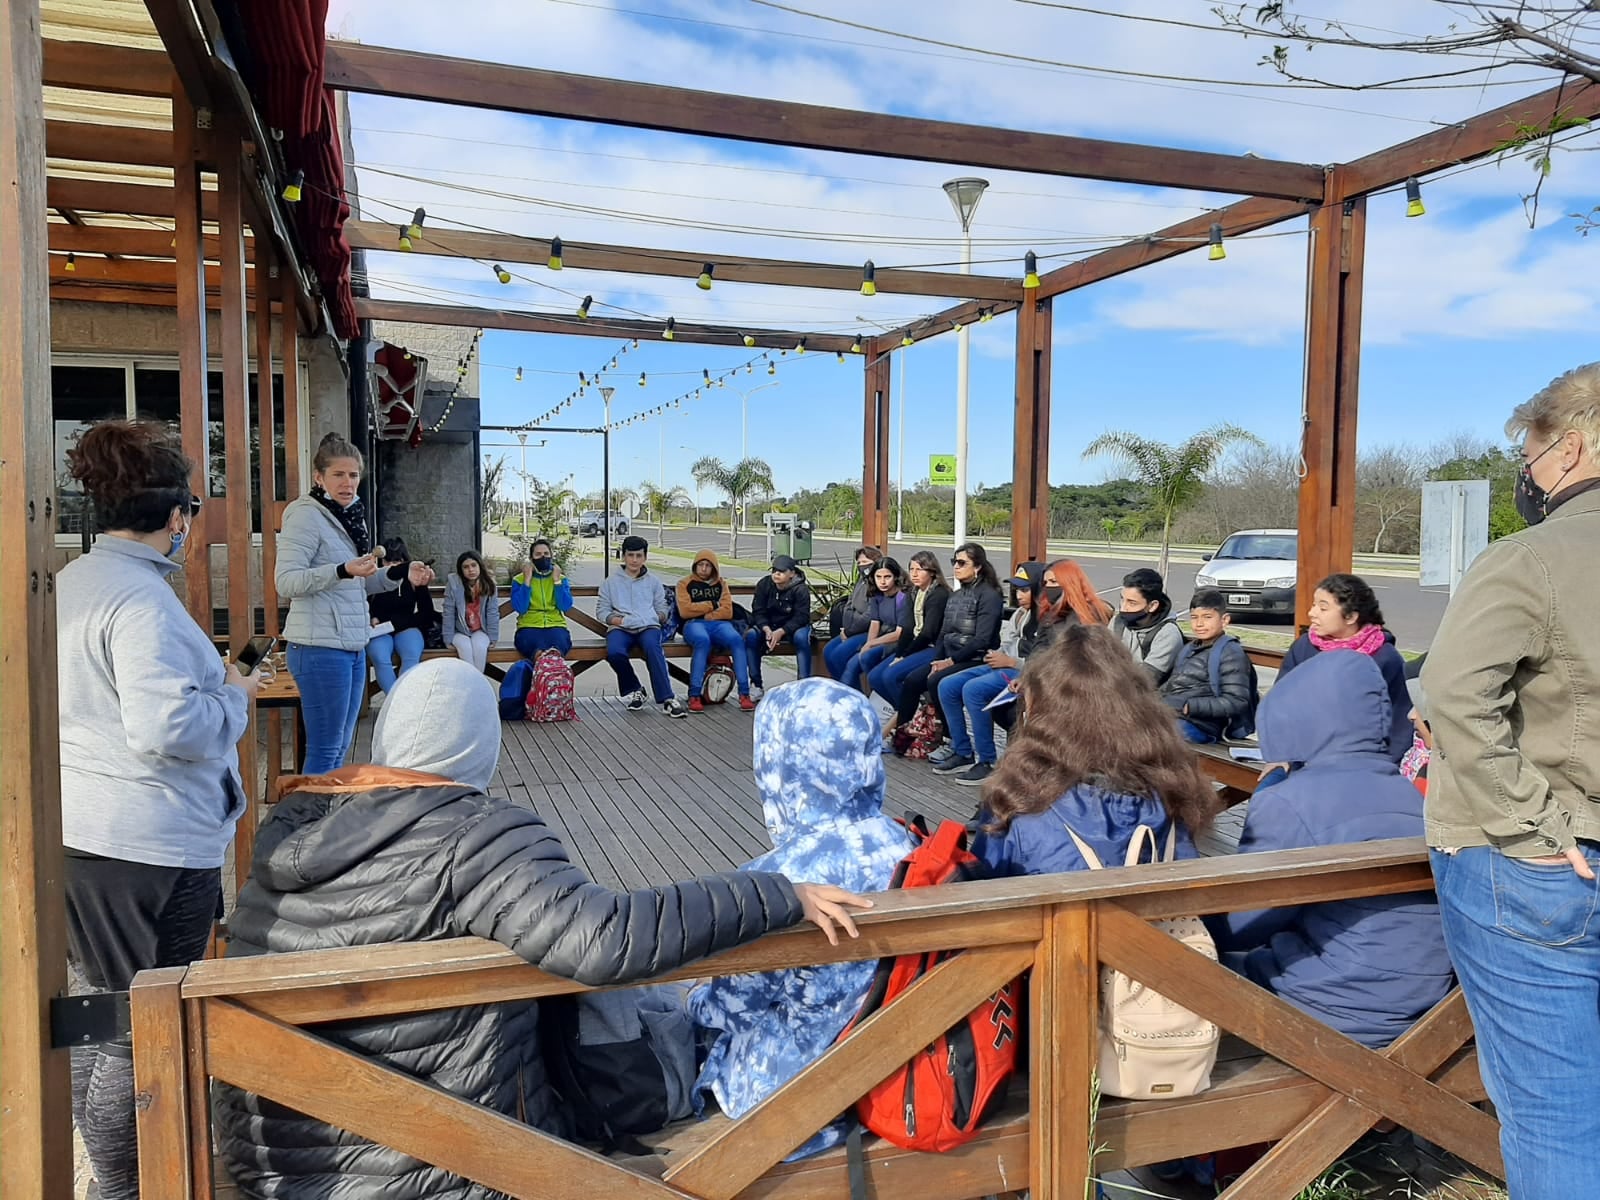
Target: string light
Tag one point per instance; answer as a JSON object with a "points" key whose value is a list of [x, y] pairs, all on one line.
{"points": [[554, 262], [641, 378], [705, 373], [907, 341], [670, 331], [519, 376], [583, 315], [841, 357], [414, 230], [855, 345], [72, 262], [985, 315], [955, 324], [772, 368], [748, 339], [405, 239], [1218, 251], [1414, 206], [291, 190], [1030, 270], [800, 346], [500, 273], [869, 279], [461, 374], [704, 282]]}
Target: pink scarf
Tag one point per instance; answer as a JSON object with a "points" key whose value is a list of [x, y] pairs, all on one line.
{"points": [[1367, 640]]}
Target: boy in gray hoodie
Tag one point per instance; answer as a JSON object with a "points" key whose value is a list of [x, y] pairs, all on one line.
{"points": [[634, 604]]}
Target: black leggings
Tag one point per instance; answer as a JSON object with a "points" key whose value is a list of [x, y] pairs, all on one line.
{"points": [[122, 918], [919, 682]]}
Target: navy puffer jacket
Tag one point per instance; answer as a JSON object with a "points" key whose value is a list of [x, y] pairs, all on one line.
{"points": [[371, 855]]}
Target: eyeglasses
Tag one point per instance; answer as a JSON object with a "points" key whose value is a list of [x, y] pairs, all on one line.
{"points": [[960, 562]]}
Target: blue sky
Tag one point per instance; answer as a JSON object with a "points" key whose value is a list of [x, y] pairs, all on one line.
{"points": [[1468, 310]]}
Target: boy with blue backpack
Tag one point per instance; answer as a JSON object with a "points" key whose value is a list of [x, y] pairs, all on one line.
{"points": [[1212, 688]]}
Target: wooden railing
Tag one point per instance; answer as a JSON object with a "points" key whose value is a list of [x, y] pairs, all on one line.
{"points": [[1312, 1090]]}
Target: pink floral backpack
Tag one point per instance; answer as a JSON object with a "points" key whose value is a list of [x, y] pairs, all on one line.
{"points": [[550, 697]]}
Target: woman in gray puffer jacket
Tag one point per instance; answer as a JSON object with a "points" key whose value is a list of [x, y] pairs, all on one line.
{"points": [[413, 850]]}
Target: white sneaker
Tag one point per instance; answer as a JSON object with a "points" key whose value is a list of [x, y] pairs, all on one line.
{"points": [[634, 701], [757, 691], [674, 708]]}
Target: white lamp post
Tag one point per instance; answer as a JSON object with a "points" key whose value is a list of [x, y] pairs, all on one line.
{"points": [[523, 438], [964, 196]]}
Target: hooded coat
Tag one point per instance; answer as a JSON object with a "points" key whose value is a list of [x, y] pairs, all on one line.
{"points": [[819, 768], [788, 609], [1392, 664], [369, 855], [1038, 843], [705, 599], [1368, 967]]}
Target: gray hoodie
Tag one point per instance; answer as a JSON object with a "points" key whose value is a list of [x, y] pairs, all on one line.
{"points": [[149, 769], [642, 603], [441, 718]]}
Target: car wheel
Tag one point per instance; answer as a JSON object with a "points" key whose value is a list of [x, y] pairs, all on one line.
{"points": [[622, 529]]}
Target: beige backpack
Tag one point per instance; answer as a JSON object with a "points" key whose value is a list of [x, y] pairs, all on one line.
{"points": [[1151, 1048]]}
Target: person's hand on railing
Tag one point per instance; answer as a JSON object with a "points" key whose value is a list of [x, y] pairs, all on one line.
{"points": [[828, 908]]}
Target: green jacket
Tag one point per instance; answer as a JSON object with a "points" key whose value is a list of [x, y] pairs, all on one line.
{"points": [[541, 602], [1513, 683]]}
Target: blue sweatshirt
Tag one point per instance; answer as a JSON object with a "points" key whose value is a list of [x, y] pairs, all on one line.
{"points": [[149, 765]]}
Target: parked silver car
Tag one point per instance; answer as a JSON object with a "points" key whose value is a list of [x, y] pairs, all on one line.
{"points": [[592, 523]]}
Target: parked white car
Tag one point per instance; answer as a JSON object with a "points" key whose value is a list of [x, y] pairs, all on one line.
{"points": [[592, 522], [1254, 569]]}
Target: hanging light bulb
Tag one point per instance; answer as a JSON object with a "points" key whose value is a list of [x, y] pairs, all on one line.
{"points": [[1414, 207], [670, 331], [985, 315], [554, 261], [635, 343], [1030, 270], [500, 273], [613, 366], [1218, 251], [955, 324], [772, 368], [841, 357], [405, 238], [583, 315], [519, 376], [800, 346], [641, 378], [750, 369], [291, 190], [583, 381], [414, 230], [907, 341], [72, 262], [748, 339], [705, 373], [704, 282], [869, 279], [855, 345]]}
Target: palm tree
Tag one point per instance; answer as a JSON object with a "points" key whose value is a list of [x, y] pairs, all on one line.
{"points": [[743, 478], [657, 501], [1175, 475]]}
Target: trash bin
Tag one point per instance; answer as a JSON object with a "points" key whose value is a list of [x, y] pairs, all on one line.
{"points": [[800, 542], [782, 543]]}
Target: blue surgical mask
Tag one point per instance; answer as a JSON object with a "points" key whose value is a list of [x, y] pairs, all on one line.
{"points": [[178, 540]]}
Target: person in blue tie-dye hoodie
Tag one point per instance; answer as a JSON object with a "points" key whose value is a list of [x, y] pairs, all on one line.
{"points": [[819, 768]]}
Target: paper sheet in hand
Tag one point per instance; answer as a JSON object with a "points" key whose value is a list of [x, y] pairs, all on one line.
{"points": [[382, 627], [1245, 753], [1005, 697]]}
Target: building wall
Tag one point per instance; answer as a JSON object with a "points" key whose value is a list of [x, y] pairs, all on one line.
{"points": [[429, 495]]}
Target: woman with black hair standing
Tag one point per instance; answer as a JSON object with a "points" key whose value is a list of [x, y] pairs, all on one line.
{"points": [[150, 790], [326, 570]]}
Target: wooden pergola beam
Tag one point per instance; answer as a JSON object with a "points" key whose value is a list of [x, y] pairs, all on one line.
{"points": [[146, 243], [1244, 217], [1485, 134], [679, 264], [968, 312], [381, 71], [133, 199], [81, 141], [143, 297], [533, 322], [99, 67], [128, 272]]}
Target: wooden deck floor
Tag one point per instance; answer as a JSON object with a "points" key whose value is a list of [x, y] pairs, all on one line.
{"points": [[641, 799]]}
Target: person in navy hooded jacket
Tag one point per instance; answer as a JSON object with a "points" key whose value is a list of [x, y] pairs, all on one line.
{"points": [[1097, 753], [1368, 967]]}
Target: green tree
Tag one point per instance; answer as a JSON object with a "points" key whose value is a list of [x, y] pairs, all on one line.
{"points": [[658, 501], [1174, 475], [744, 478], [547, 508], [495, 505]]}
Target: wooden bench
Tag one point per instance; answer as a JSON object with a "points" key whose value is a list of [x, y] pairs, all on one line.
{"points": [[1284, 1078]]}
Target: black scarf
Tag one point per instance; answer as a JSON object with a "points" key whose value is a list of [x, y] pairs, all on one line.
{"points": [[353, 519]]}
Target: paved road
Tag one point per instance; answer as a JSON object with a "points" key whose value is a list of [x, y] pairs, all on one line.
{"points": [[1412, 612]]}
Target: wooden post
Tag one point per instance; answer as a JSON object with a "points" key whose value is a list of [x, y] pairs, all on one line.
{"points": [[1030, 475], [35, 1108], [266, 456], [236, 441], [292, 433], [875, 448], [1333, 353], [1064, 1054], [193, 390], [161, 1084]]}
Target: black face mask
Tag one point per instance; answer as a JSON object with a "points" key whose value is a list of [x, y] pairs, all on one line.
{"points": [[1053, 594], [541, 566], [1141, 620], [1532, 501]]}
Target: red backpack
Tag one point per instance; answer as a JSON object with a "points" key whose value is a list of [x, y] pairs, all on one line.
{"points": [[938, 1100], [550, 696]]}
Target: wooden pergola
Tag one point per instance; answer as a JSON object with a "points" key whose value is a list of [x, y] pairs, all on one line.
{"points": [[185, 213]]}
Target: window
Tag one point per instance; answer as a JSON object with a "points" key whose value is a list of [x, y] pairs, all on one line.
{"points": [[84, 392]]}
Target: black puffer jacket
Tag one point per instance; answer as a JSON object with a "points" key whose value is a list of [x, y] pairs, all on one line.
{"points": [[788, 609], [388, 856], [913, 639], [1190, 684], [971, 624]]}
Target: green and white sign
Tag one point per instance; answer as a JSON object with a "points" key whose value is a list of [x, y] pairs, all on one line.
{"points": [[942, 468]]}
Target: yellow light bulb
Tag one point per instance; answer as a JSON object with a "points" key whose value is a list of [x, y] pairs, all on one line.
{"points": [[554, 262], [500, 273], [1030, 270], [291, 190]]}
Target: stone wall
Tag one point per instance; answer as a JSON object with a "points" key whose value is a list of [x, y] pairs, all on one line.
{"points": [[429, 495]]}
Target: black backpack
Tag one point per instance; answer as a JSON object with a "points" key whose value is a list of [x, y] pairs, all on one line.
{"points": [[1243, 726]]}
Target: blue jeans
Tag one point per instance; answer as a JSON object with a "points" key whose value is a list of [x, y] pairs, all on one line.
{"points": [[955, 716], [840, 651], [382, 649], [862, 663], [975, 694], [1193, 733], [530, 641], [332, 684], [887, 677], [755, 646], [1525, 941], [700, 636], [618, 644]]}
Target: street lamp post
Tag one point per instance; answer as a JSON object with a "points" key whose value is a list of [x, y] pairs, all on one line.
{"points": [[744, 422], [605, 480], [964, 196], [523, 439]]}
